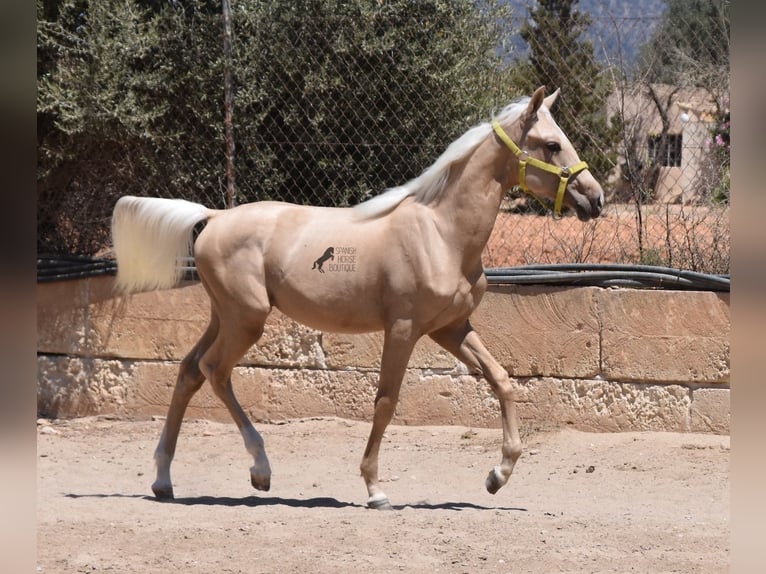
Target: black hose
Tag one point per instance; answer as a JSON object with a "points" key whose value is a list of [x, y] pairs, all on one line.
{"points": [[68, 267], [52, 268], [608, 275]]}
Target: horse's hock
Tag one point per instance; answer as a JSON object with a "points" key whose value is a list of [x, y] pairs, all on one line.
{"points": [[593, 358]]}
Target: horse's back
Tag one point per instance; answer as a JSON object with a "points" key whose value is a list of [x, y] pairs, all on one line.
{"points": [[260, 225]]}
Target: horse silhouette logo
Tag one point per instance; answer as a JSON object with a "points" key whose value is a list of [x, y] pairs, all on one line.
{"points": [[329, 253]]}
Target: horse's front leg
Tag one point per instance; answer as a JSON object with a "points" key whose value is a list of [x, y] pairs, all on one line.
{"points": [[463, 342], [397, 348]]}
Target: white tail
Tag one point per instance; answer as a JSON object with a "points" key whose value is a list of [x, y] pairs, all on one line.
{"points": [[151, 237]]}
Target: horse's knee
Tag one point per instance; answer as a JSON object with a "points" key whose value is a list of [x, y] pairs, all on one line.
{"points": [[499, 374], [502, 387], [219, 380], [189, 370], [206, 367]]}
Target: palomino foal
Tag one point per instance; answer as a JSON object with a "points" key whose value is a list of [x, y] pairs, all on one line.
{"points": [[426, 281]]}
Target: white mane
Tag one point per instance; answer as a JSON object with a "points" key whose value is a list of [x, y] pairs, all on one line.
{"points": [[427, 186]]}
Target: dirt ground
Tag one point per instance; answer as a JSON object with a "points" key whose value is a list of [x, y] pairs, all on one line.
{"points": [[577, 502]]}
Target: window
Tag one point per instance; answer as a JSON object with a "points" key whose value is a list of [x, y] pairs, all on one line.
{"points": [[670, 156]]}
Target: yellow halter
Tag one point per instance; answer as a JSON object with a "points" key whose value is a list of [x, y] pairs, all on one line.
{"points": [[564, 173]]}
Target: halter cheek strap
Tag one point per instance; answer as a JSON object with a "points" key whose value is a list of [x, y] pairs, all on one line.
{"points": [[564, 173]]}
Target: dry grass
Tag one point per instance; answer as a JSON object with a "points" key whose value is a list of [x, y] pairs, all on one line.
{"points": [[696, 238]]}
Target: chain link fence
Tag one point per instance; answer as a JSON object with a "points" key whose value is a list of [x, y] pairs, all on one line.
{"points": [[330, 103]]}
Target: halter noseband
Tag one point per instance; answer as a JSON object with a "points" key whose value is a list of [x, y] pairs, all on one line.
{"points": [[564, 173]]}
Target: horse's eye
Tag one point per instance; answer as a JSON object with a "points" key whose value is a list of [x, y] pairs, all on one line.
{"points": [[553, 147]]}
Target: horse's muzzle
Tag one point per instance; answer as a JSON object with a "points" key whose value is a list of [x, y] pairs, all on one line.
{"points": [[589, 205]]}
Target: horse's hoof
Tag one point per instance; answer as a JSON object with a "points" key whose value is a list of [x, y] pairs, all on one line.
{"points": [[163, 492], [260, 482], [379, 502], [493, 482]]}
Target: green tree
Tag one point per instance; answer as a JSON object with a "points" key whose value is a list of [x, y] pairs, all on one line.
{"points": [[333, 102], [124, 107], [339, 100], [691, 45], [560, 56]]}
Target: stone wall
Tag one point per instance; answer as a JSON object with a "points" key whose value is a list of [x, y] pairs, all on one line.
{"points": [[596, 359]]}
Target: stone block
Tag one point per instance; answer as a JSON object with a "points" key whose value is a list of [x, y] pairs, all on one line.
{"points": [[616, 407], [601, 406], [157, 325], [446, 399], [152, 387], [363, 351], [154, 383], [343, 351], [711, 411], [307, 392], [665, 336], [78, 387], [61, 317], [165, 325], [286, 343], [539, 404], [539, 331]]}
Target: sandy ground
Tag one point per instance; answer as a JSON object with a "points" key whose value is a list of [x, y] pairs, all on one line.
{"points": [[578, 502]]}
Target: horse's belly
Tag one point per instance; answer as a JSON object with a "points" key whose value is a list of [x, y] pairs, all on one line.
{"points": [[333, 319], [342, 311]]}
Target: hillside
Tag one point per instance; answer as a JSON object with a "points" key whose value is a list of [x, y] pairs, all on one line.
{"points": [[619, 27]]}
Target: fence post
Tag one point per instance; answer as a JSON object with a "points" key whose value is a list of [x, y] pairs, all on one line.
{"points": [[228, 99]]}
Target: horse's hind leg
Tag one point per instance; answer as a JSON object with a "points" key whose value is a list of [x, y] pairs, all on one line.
{"points": [[462, 341], [188, 382], [234, 338]]}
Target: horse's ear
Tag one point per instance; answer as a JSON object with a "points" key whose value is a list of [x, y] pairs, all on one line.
{"points": [[535, 102], [550, 100]]}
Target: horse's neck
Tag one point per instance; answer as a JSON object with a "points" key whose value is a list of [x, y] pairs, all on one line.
{"points": [[471, 199]]}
